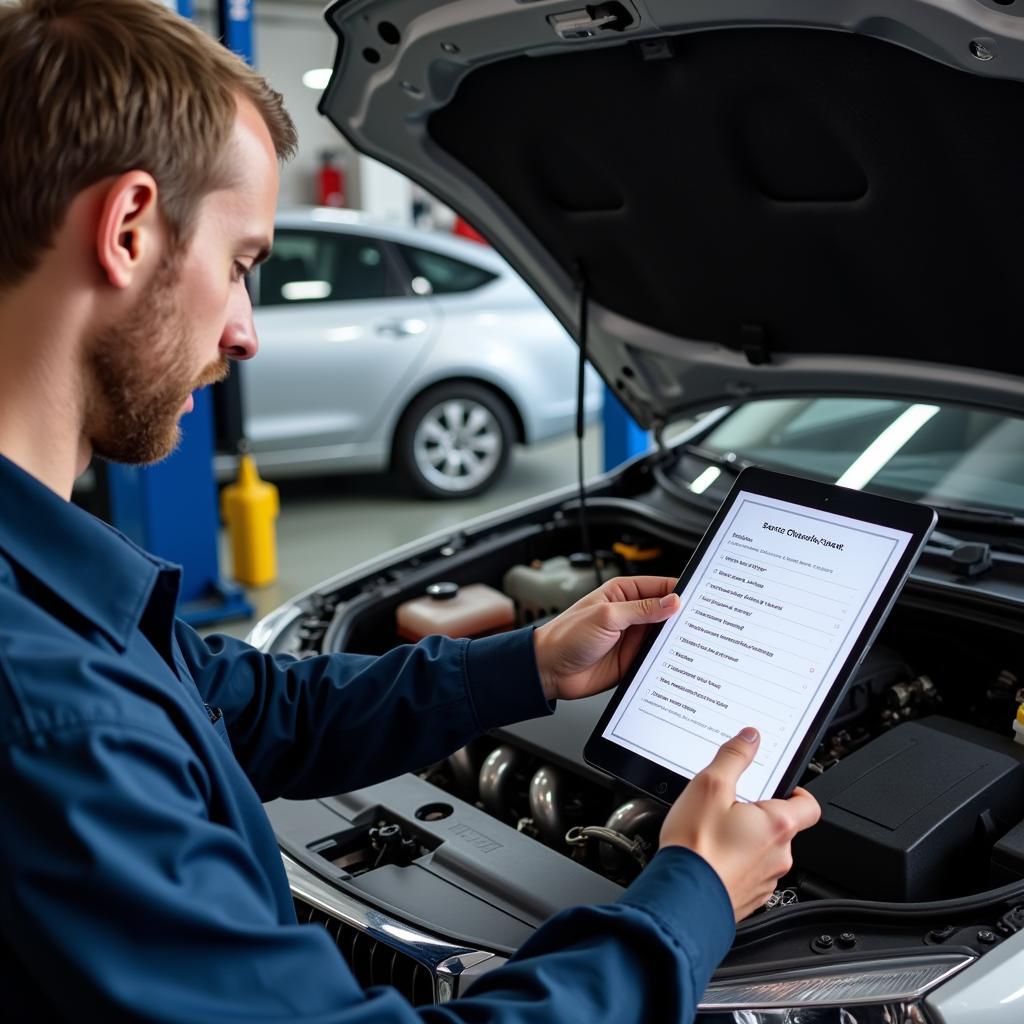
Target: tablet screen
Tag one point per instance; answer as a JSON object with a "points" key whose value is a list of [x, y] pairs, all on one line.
{"points": [[766, 623]]}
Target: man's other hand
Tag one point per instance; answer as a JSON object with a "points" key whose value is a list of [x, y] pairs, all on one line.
{"points": [[747, 844], [590, 645]]}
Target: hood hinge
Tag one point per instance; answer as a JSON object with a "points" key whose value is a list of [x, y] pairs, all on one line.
{"points": [[754, 343]]}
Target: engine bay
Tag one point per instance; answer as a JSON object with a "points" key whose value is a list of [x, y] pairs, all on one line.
{"points": [[920, 781]]}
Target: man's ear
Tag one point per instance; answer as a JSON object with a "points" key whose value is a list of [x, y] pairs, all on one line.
{"points": [[130, 231]]}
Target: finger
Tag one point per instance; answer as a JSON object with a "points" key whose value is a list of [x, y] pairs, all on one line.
{"points": [[653, 586], [795, 813], [621, 615], [804, 807], [633, 588], [734, 757]]}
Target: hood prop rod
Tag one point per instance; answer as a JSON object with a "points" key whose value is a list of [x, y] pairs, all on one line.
{"points": [[581, 384]]}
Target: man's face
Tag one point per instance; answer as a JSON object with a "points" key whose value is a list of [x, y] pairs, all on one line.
{"points": [[194, 317]]}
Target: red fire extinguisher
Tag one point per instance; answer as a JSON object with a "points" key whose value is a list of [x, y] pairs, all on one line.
{"points": [[330, 181], [464, 229]]}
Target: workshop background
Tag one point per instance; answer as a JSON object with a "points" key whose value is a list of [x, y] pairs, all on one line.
{"points": [[310, 501]]}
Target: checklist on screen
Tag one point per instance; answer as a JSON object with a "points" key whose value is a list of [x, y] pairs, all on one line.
{"points": [[765, 625]]}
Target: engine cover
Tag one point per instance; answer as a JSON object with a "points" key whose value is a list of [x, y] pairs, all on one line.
{"points": [[474, 880], [914, 814]]}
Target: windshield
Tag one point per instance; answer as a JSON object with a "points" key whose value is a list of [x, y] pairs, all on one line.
{"points": [[941, 454]]}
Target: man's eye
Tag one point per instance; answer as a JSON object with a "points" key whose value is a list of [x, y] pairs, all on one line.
{"points": [[242, 272]]}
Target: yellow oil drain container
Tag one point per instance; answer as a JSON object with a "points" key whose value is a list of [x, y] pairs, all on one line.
{"points": [[249, 508]]}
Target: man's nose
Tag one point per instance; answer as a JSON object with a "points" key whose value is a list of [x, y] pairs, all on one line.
{"points": [[239, 341]]}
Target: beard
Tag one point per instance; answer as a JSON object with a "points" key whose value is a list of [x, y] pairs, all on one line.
{"points": [[141, 376]]}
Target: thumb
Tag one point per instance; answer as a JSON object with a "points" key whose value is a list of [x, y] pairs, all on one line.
{"points": [[734, 756], [624, 614]]}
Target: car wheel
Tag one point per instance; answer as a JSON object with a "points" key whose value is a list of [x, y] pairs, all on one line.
{"points": [[454, 440]]}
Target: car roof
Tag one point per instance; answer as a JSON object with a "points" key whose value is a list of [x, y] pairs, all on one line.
{"points": [[356, 222]]}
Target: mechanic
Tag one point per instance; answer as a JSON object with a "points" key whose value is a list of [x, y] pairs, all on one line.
{"points": [[139, 875]]}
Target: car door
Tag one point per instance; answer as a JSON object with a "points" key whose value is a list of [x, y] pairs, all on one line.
{"points": [[338, 331]]}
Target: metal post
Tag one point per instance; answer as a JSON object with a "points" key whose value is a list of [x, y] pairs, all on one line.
{"points": [[234, 21], [234, 28]]}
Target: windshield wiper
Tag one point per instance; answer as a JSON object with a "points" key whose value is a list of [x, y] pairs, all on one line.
{"points": [[993, 525], [970, 515], [730, 460]]}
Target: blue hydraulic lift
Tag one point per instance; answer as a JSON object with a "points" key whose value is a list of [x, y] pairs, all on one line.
{"points": [[623, 436], [235, 24], [171, 508]]}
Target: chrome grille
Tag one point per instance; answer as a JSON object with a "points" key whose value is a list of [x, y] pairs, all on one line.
{"points": [[373, 962]]}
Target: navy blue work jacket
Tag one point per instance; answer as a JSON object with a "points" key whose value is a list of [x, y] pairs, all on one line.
{"points": [[139, 876]]}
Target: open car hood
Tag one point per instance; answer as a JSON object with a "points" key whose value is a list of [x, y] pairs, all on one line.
{"points": [[756, 198]]}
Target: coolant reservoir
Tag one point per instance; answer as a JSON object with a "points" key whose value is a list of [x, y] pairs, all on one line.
{"points": [[547, 588], [451, 610]]}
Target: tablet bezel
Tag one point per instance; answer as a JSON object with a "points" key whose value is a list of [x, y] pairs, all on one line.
{"points": [[917, 520]]}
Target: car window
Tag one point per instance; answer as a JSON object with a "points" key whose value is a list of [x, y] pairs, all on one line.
{"points": [[323, 266], [947, 454], [442, 274]]}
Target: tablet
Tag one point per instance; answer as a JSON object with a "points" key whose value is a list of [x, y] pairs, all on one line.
{"points": [[779, 604]]}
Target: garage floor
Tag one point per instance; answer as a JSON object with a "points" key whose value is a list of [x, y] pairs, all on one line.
{"points": [[329, 524]]}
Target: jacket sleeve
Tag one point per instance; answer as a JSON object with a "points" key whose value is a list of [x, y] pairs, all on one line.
{"points": [[126, 902], [647, 957], [307, 727]]}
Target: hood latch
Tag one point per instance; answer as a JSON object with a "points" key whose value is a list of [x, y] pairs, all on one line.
{"points": [[592, 20]]}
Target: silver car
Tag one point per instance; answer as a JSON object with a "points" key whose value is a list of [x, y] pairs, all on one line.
{"points": [[383, 346]]}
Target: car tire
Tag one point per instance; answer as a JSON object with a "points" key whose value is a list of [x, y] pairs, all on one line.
{"points": [[454, 441]]}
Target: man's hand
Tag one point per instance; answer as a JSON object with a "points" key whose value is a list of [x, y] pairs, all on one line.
{"points": [[590, 645], [746, 844]]}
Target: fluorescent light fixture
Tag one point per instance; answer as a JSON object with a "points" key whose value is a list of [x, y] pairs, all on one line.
{"points": [[705, 480], [839, 985], [296, 291], [886, 445], [317, 78]]}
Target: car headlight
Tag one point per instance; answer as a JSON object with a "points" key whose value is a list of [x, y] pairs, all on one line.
{"points": [[865, 992]]}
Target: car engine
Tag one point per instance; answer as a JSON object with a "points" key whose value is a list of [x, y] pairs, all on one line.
{"points": [[920, 782]]}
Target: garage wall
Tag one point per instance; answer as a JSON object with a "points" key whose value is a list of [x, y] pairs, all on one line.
{"points": [[290, 39]]}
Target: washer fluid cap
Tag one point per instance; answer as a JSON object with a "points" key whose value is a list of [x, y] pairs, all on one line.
{"points": [[443, 591]]}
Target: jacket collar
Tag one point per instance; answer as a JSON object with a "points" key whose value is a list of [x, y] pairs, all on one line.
{"points": [[89, 565]]}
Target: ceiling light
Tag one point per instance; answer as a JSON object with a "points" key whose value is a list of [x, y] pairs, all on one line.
{"points": [[317, 79]]}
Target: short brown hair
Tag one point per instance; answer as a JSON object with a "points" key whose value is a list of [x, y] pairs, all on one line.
{"points": [[95, 88]]}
